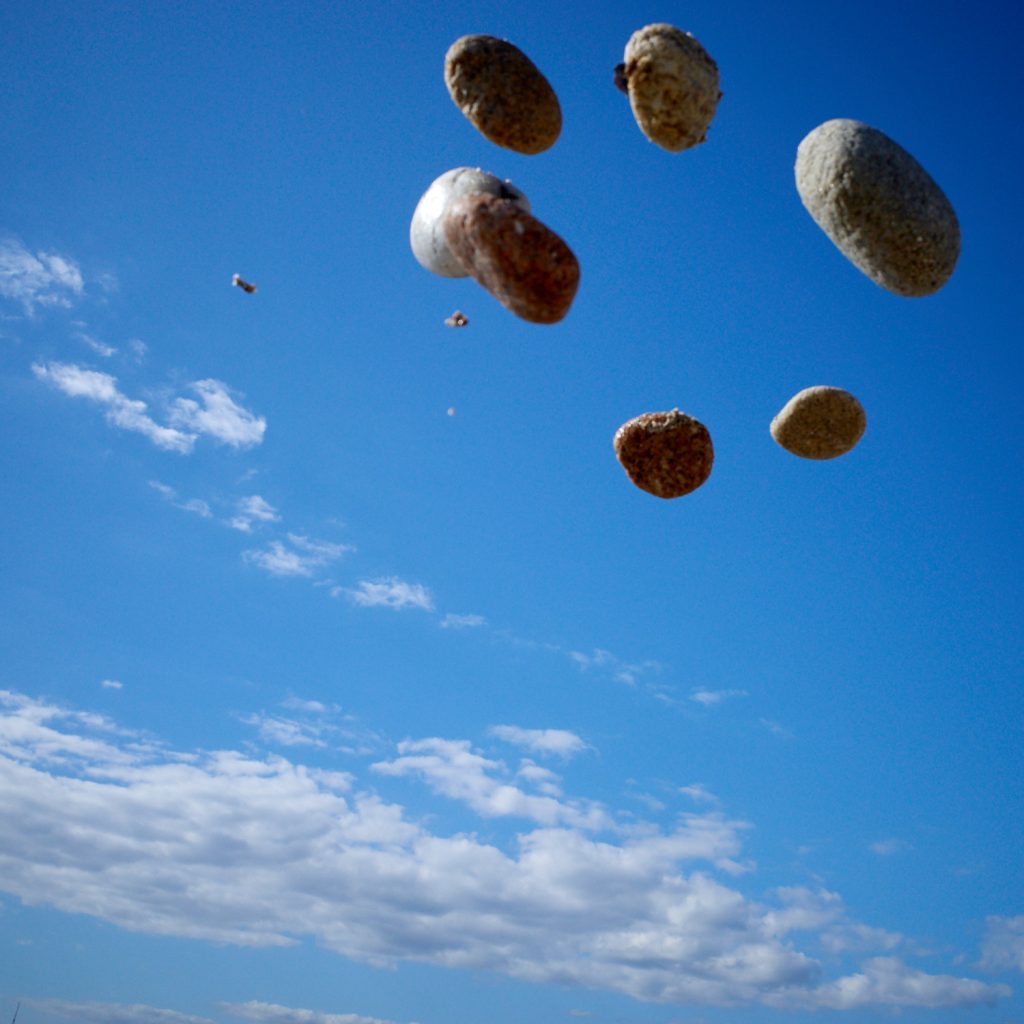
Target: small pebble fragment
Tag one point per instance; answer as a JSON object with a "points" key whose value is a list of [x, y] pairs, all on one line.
{"points": [[820, 423], [244, 285], [519, 260], [426, 233], [879, 206], [667, 454], [457, 319], [502, 93], [672, 84]]}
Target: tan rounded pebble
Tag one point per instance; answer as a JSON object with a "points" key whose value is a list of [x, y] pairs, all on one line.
{"points": [[502, 93], [820, 423], [879, 206], [667, 454], [672, 84], [519, 260], [426, 232]]}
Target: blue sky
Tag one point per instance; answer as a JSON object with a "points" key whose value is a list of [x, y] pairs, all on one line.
{"points": [[347, 679]]}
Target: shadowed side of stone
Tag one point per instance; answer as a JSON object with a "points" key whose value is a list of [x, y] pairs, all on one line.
{"points": [[519, 260]]}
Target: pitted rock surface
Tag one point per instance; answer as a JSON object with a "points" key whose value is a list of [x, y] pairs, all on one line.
{"points": [[820, 423], [519, 260], [879, 206], [667, 454], [672, 84], [503, 93]]}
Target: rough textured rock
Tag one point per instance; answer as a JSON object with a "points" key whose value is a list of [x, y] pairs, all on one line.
{"points": [[502, 93], [672, 84], [667, 454], [819, 423], [426, 232], [520, 261], [879, 206]]}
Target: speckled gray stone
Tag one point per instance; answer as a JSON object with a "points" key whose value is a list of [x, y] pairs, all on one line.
{"points": [[879, 205], [519, 260], [667, 454], [426, 232], [819, 423], [672, 84], [503, 93]]}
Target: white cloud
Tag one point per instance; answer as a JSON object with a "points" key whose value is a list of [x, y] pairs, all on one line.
{"points": [[1003, 948], [699, 793], [113, 1013], [272, 1013], [111, 684], [559, 742], [219, 416], [99, 347], [889, 847], [708, 698], [121, 411], [139, 835], [776, 729], [303, 558], [194, 505], [389, 592], [626, 672], [253, 509], [453, 621], [37, 279]]}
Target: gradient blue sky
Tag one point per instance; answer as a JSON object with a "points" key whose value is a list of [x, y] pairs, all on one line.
{"points": [[322, 705]]}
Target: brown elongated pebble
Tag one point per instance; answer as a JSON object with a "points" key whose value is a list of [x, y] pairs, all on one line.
{"points": [[503, 93], [879, 206], [820, 423], [672, 84], [667, 454], [519, 260]]}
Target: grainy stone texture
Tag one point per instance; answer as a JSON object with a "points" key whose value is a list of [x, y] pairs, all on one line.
{"points": [[879, 206], [502, 93], [520, 261], [667, 454], [820, 423], [426, 232], [672, 84]]}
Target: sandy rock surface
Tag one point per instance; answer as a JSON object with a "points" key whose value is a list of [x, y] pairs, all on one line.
{"points": [[819, 423], [519, 260], [426, 232], [503, 93], [879, 206], [667, 454], [672, 84]]}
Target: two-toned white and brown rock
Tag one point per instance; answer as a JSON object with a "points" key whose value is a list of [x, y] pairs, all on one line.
{"points": [[502, 93], [672, 84], [879, 206], [667, 454], [519, 260], [819, 423]]}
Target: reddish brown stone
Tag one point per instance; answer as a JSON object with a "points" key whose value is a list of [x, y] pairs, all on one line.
{"points": [[667, 454], [520, 261]]}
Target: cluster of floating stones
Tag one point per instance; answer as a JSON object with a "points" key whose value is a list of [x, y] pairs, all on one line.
{"points": [[878, 205]]}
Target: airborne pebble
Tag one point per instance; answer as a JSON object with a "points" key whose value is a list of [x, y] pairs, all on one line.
{"points": [[426, 232], [519, 260], [819, 423], [667, 454], [672, 83], [879, 206]]}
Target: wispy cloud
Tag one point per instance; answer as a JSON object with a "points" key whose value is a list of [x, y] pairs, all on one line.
{"points": [[454, 621], [622, 671], [139, 837], [194, 505], [272, 1013], [299, 557], [101, 348], [557, 742], [111, 684], [121, 411], [113, 1013], [389, 592], [37, 279], [218, 415], [1003, 948], [889, 847], [709, 698], [699, 793], [253, 509]]}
